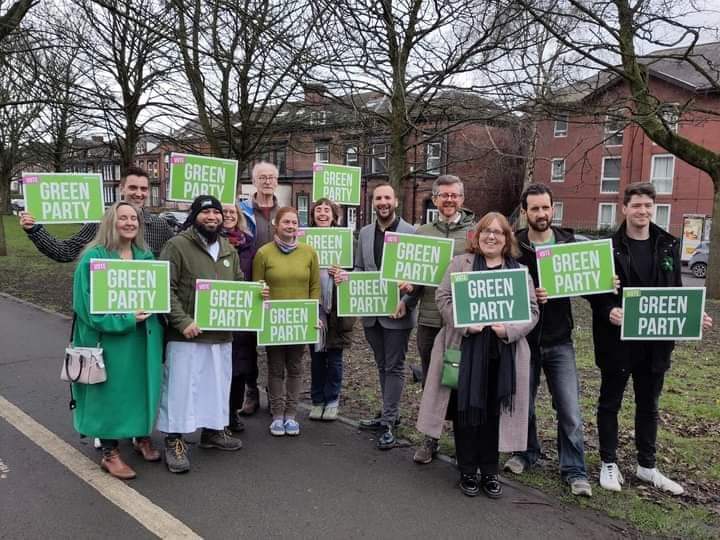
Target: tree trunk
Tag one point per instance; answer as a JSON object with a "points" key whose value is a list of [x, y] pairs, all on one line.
{"points": [[529, 173], [4, 210], [712, 278]]}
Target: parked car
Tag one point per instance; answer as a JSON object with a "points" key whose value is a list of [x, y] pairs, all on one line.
{"points": [[699, 260], [174, 218]]}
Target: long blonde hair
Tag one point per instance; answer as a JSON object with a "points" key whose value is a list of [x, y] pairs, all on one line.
{"points": [[242, 223], [107, 235]]}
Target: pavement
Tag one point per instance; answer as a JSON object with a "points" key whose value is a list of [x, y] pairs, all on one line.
{"points": [[330, 482]]}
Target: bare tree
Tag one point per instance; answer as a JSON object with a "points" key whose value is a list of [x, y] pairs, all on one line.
{"points": [[12, 17]]}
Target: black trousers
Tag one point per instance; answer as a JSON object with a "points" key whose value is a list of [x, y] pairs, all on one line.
{"points": [[648, 386], [425, 337], [477, 446]]}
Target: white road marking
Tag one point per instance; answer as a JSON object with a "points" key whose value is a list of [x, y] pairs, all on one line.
{"points": [[143, 510]]}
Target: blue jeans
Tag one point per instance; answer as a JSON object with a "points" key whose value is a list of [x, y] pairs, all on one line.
{"points": [[558, 363], [326, 370]]}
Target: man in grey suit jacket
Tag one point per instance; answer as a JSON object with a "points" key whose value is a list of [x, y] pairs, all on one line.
{"points": [[388, 336]]}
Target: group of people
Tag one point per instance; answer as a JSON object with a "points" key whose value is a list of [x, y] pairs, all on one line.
{"points": [[208, 380]]}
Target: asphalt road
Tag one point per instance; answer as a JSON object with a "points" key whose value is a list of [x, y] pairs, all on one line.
{"points": [[328, 483], [691, 281]]}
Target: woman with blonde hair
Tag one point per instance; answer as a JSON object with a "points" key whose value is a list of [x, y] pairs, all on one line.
{"points": [[126, 404], [489, 408]]}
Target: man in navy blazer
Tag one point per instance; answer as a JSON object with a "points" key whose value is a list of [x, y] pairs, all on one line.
{"points": [[388, 336]]}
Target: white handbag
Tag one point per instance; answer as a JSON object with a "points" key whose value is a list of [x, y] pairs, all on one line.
{"points": [[83, 365]]}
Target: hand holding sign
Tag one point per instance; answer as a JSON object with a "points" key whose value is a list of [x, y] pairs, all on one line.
{"points": [[707, 321], [616, 316], [192, 331], [500, 330], [140, 316], [400, 311], [27, 221], [541, 295]]}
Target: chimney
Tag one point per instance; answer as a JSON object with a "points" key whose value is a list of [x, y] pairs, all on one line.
{"points": [[314, 93]]}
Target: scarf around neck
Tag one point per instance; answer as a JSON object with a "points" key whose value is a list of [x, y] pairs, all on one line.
{"points": [[285, 247]]}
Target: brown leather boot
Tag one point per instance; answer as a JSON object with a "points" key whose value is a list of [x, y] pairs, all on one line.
{"points": [[251, 403], [144, 447], [113, 463]]}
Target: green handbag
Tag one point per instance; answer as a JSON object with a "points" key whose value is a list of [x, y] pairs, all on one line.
{"points": [[451, 368]]}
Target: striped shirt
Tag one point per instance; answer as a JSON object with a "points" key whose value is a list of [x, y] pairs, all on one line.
{"points": [[157, 232]]}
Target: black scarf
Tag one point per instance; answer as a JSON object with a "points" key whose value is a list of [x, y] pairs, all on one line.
{"points": [[473, 384]]}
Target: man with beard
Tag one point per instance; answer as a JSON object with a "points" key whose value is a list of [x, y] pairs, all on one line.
{"points": [[453, 221], [388, 336], [198, 365], [551, 350]]}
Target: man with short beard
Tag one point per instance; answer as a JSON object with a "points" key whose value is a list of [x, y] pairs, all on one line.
{"points": [[388, 336], [551, 350], [198, 365]]}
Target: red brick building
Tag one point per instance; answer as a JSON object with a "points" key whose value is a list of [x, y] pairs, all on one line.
{"points": [[589, 158]]}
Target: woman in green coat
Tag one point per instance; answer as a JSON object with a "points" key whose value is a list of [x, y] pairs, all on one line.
{"points": [[126, 404]]}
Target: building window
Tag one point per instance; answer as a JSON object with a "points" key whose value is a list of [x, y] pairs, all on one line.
{"points": [[303, 203], [670, 116], [351, 217], [431, 215], [557, 213], [613, 131], [606, 216], [108, 194], [351, 156], [154, 195], [433, 154], [610, 179], [322, 153], [318, 118], [277, 155], [662, 170], [379, 158], [558, 170], [662, 216], [561, 125]]}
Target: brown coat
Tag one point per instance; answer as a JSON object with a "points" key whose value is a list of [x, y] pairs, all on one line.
{"points": [[434, 404]]}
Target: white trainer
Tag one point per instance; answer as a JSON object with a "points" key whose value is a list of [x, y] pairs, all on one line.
{"points": [[610, 477], [659, 480]]}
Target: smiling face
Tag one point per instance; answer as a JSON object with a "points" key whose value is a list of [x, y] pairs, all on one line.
{"points": [[539, 212], [135, 190], [126, 223], [209, 219], [384, 202], [287, 226], [639, 211], [492, 240], [230, 216], [323, 215], [449, 199]]}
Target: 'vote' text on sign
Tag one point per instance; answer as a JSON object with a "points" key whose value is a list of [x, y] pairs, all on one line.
{"points": [[577, 268], [415, 258], [658, 313], [123, 286]]}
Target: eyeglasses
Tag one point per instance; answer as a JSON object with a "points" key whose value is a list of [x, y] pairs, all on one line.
{"points": [[451, 196], [493, 232], [267, 178]]}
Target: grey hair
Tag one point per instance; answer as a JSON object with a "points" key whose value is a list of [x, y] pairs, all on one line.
{"points": [[262, 164], [447, 180], [107, 235]]}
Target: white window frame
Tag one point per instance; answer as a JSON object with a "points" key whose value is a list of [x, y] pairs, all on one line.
{"points": [[652, 173], [303, 208], [561, 132], [433, 158], [431, 215], [603, 177], [553, 177], [352, 149], [351, 217], [378, 157], [614, 215], [665, 226], [321, 148], [609, 133], [318, 118], [671, 114], [558, 211]]}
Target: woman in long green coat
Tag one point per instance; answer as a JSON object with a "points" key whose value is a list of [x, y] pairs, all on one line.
{"points": [[125, 405]]}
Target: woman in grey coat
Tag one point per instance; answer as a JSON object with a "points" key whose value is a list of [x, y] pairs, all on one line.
{"points": [[489, 409]]}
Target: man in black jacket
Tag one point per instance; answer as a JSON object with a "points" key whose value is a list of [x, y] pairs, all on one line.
{"points": [[645, 256], [551, 350]]}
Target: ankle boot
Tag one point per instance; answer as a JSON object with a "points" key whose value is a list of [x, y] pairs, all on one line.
{"points": [[113, 463], [251, 403]]}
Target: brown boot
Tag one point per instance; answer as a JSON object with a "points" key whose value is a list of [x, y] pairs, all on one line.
{"points": [[251, 403], [144, 447], [112, 463]]}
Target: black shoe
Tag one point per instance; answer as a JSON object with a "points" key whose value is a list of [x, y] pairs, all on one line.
{"points": [[469, 485], [176, 458], [220, 439], [386, 441], [378, 417], [236, 426], [491, 485], [372, 424]]}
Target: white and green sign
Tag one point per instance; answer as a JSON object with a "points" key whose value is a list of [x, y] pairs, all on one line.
{"points": [[289, 322], [332, 244], [339, 183], [191, 176], [576, 268], [662, 313], [228, 305], [490, 297], [64, 197], [366, 294], [415, 259], [120, 286]]}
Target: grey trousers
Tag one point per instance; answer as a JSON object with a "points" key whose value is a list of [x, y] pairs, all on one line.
{"points": [[389, 347]]}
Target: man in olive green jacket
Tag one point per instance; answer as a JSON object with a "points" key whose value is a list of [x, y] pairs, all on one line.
{"points": [[453, 221], [198, 365]]}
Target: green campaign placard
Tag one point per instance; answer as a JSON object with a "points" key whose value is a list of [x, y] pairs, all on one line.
{"points": [[333, 245], [64, 197], [228, 305], [662, 313], [415, 258], [289, 322], [191, 176], [490, 297], [576, 268], [120, 286], [366, 294], [339, 183]]}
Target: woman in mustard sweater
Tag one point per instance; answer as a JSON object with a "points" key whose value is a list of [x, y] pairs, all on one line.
{"points": [[292, 272]]}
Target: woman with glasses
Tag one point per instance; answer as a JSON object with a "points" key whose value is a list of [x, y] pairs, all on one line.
{"points": [[489, 408]]}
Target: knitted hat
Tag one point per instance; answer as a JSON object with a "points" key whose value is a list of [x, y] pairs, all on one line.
{"points": [[200, 203]]}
